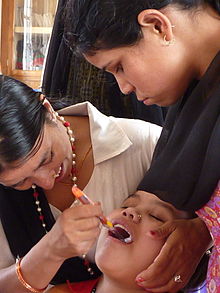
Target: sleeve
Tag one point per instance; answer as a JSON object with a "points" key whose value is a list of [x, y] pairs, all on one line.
{"points": [[144, 136]]}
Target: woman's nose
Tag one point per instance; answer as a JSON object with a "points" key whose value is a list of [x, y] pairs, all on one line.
{"points": [[45, 179], [132, 214], [125, 87]]}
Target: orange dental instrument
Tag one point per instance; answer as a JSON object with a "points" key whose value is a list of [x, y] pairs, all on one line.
{"points": [[83, 198]]}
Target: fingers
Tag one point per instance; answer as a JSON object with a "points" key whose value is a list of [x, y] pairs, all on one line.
{"points": [[75, 231], [179, 256], [81, 219], [158, 279], [169, 287], [83, 211]]}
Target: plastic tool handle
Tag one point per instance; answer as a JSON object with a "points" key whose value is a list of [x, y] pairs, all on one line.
{"points": [[81, 196]]}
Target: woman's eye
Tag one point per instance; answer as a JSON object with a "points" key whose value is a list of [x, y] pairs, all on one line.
{"points": [[50, 159], [119, 68], [156, 218]]}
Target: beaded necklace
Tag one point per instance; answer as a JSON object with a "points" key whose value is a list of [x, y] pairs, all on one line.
{"points": [[73, 169], [73, 178]]}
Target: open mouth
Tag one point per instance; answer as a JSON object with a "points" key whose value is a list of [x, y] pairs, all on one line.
{"points": [[121, 233], [58, 173]]}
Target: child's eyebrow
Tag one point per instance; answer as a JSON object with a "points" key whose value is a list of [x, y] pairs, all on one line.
{"points": [[160, 203], [165, 206], [135, 196]]}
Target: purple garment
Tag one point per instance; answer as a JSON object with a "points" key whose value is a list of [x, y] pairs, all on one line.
{"points": [[210, 214]]}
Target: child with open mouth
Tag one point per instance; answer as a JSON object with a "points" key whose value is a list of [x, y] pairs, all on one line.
{"points": [[122, 258]]}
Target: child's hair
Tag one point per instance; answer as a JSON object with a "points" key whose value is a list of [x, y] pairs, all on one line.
{"points": [[22, 117], [91, 25]]}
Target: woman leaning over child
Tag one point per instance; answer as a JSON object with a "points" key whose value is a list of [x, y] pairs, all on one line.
{"points": [[41, 156], [168, 53]]}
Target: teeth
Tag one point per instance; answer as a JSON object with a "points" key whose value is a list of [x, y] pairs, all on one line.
{"points": [[128, 240], [120, 226], [59, 171]]}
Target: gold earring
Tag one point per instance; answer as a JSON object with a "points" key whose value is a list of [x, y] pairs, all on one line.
{"points": [[168, 43], [139, 217]]}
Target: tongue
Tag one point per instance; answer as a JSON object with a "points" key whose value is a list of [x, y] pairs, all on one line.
{"points": [[124, 234], [119, 233]]}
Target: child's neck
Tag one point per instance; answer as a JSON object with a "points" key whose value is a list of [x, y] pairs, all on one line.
{"points": [[108, 285]]}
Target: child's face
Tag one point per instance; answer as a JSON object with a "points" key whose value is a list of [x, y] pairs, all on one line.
{"points": [[138, 215]]}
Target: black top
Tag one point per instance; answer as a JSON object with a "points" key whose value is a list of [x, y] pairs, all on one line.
{"points": [[186, 164], [23, 230]]}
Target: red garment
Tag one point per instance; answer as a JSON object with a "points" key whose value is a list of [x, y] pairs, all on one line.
{"points": [[82, 287]]}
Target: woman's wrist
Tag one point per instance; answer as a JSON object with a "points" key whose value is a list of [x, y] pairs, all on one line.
{"points": [[204, 232], [23, 281], [39, 266]]}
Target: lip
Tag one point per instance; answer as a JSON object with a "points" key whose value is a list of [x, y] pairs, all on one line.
{"points": [[147, 102]]}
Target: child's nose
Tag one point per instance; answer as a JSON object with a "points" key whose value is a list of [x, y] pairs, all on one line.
{"points": [[132, 214]]}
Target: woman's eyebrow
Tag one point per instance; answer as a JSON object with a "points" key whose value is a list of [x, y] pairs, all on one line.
{"points": [[43, 160]]}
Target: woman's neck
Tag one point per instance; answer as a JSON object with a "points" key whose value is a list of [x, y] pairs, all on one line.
{"points": [[109, 285]]}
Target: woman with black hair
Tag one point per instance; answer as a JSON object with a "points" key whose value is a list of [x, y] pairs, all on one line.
{"points": [[42, 155], [74, 80], [167, 52]]}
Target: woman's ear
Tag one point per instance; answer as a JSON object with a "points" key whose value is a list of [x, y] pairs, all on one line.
{"points": [[49, 108], [157, 22]]}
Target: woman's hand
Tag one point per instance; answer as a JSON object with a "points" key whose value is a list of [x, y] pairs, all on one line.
{"points": [[75, 232], [186, 243]]}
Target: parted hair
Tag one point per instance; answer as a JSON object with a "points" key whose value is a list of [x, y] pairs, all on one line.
{"points": [[91, 25], [22, 117]]}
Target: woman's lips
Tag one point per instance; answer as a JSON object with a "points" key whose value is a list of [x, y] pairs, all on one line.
{"points": [[147, 102]]}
